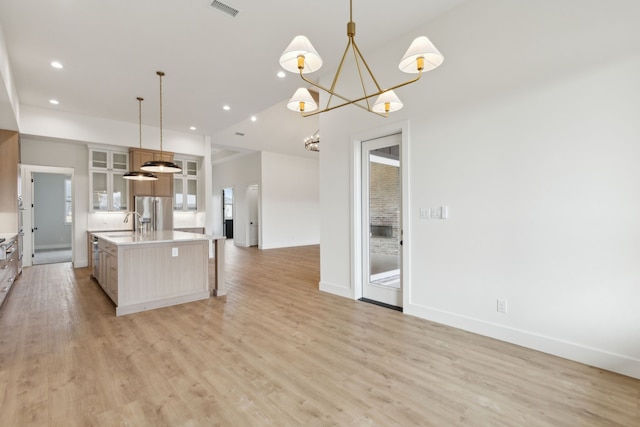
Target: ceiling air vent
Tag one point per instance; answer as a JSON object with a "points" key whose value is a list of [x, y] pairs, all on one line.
{"points": [[224, 8], [239, 133]]}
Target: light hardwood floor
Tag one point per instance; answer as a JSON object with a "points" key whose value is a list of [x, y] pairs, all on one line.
{"points": [[275, 352]]}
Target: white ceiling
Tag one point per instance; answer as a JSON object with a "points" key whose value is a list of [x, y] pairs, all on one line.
{"points": [[111, 50]]}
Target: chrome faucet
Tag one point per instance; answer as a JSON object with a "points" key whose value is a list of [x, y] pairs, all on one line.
{"points": [[126, 219]]}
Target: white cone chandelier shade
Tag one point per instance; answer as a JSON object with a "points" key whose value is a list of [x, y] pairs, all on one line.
{"points": [[422, 55], [301, 48], [302, 101], [388, 102], [301, 57], [140, 175], [161, 166]]}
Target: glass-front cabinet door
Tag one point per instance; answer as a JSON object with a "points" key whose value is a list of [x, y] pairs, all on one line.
{"points": [[192, 194], [119, 192], [178, 196], [99, 191], [99, 159], [185, 185], [119, 161]]}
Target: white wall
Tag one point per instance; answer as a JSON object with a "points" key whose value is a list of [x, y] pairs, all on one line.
{"points": [[46, 123], [65, 155], [237, 174], [288, 198], [290, 202], [529, 133]]}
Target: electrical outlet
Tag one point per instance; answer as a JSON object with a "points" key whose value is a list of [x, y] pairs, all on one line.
{"points": [[174, 252], [501, 306]]}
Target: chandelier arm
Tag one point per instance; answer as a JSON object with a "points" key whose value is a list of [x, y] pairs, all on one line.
{"points": [[359, 68], [354, 101], [337, 95], [357, 50], [329, 91], [341, 105], [338, 71]]}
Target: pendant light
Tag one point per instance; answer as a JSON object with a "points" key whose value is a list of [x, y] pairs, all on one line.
{"points": [[161, 166], [140, 175]]}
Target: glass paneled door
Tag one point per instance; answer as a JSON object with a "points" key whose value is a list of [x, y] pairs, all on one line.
{"points": [[381, 220]]}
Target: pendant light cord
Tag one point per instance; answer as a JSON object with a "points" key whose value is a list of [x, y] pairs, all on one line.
{"points": [[140, 118], [160, 73]]}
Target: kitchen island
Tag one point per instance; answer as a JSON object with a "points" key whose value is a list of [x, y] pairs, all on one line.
{"points": [[159, 269]]}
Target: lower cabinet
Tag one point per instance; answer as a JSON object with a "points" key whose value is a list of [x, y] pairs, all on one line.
{"points": [[9, 267], [108, 269]]}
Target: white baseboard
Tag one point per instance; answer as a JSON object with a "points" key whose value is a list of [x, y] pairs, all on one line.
{"points": [[61, 246], [166, 302], [590, 356], [341, 291], [280, 245]]}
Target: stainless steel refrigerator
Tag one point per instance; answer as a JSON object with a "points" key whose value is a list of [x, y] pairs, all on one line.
{"points": [[155, 212]]}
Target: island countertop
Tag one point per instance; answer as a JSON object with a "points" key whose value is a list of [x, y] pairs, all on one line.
{"points": [[162, 236]]}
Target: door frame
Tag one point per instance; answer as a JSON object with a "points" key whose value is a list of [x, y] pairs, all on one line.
{"points": [[26, 173], [384, 295], [357, 274], [258, 216]]}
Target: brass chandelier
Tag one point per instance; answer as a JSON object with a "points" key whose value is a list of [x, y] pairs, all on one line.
{"points": [[301, 57], [312, 142]]}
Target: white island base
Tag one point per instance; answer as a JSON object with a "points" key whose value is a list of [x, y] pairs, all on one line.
{"points": [[157, 270]]}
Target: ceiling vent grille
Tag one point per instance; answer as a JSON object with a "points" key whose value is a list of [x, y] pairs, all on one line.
{"points": [[224, 8], [239, 134]]}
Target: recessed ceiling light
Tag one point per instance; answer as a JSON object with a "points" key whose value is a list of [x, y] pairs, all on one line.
{"points": [[254, 118], [226, 108], [281, 74], [54, 101], [193, 128], [56, 64]]}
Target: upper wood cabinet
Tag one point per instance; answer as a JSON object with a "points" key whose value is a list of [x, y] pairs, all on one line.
{"points": [[163, 187], [9, 165]]}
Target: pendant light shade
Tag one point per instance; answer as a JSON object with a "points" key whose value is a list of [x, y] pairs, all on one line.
{"points": [[140, 175], [302, 101], [161, 166], [387, 102], [300, 56], [422, 55]]}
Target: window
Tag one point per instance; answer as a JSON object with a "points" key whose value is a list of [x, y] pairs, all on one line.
{"points": [[68, 203]]}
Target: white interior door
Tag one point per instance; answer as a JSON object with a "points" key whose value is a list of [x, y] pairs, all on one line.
{"points": [[382, 220]]}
